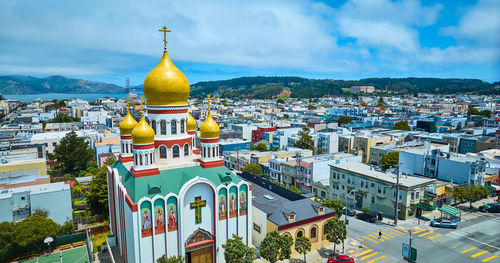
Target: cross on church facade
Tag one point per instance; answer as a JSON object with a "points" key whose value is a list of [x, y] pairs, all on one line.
{"points": [[197, 205], [164, 30]]}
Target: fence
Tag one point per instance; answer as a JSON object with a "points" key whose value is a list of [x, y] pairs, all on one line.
{"points": [[68, 239]]}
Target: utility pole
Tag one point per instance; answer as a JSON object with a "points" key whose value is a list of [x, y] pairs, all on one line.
{"points": [[396, 208], [409, 252]]}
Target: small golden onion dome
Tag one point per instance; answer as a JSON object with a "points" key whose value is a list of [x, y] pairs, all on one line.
{"points": [[166, 84], [191, 123], [209, 128], [143, 133], [128, 124]]}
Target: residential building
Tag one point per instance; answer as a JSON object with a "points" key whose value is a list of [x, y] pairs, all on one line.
{"points": [[363, 143]]}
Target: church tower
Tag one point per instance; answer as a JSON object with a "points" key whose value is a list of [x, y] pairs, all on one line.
{"points": [[165, 196]]}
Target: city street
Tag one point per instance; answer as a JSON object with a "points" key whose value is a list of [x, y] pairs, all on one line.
{"points": [[477, 239]]}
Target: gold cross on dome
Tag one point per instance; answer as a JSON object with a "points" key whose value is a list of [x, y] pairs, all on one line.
{"points": [[209, 98], [142, 99], [127, 98], [164, 30]]}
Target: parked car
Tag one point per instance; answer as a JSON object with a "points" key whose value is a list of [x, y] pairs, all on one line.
{"points": [[444, 223], [368, 217], [341, 259], [490, 208], [350, 212]]}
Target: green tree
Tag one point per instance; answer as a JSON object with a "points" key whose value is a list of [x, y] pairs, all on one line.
{"points": [[305, 141], [67, 228], [486, 113], [253, 168], [61, 118], [33, 230], [472, 111], [97, 195], [280, 101], [363, 104], [401, 125], [470, 193], [303, 245], [381, 103], [73, 153], [8, 241], [336, 231], [109, 161], [390, 160], [344, 120], [366, 209], [333, 204], [41, 212], [275, 247], [294, 189], [261, 147], [237, 252], [311, 107], [172, 259]]}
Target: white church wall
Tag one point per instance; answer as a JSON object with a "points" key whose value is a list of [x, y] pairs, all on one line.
{"points": [[131, 221], [221, 219], [197, 187]]}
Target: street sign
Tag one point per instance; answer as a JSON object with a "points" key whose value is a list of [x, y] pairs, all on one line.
{"points": [[429, 195], [405, 251]]}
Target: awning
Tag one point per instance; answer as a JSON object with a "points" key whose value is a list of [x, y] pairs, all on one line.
{"points": [[450, 210], [425, 206]]}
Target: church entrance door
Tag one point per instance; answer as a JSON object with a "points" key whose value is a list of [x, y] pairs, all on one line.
{"points": [[201, 255]]}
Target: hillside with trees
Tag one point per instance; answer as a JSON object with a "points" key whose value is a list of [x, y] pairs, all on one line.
{"points": [[267, 87]]}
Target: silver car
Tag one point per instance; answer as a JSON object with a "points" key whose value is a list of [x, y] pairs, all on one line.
{"points": [[444, 223]]}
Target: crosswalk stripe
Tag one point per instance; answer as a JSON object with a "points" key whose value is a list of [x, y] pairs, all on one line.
{"points": [[469, 249], [434, 236], [379, 258], [490, 258], [382, 237], [479, 254], [351, 251], [417, 227], [376, 237], [386, 234], [360, 239], [364, 252], [400, 227], [354, 243], [395, 230], [369, 256], [419, 231], [426, 233], [374, 241]]}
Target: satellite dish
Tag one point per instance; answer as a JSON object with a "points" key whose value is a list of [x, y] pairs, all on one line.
{"points": [[48, 240]]}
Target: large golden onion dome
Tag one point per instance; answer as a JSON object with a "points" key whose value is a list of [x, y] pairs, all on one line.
{"points": [[143, 133], [128, 124], [209, 128], [166, 85], [191, 123]]}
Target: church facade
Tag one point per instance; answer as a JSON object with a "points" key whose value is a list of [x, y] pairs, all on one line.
{"points": [[166, 197]]}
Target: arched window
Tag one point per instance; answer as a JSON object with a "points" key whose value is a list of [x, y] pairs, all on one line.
{"points": [[147, 120], [140, 159], [123, 148], [146, 161], [300, 233], [153, 125], [186, 149], [175, 151], [313, 232], [174, 127], [151, 157], [213, 152], [182, 126], [163, 127], [204, 152], [163, 152]]}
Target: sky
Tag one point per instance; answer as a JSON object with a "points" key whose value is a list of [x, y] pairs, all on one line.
{"points": [[213, 40]]}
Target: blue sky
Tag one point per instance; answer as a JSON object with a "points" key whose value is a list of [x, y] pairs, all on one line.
{"points": [[210, 40]]}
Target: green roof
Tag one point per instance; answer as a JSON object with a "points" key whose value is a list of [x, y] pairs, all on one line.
{"points": [[171, 180], [426, 206], [449, 210]]}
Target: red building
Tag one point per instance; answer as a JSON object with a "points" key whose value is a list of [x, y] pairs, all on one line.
{"points": [[257, 134]]}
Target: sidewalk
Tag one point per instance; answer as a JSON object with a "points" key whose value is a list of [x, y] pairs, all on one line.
{"points": [[322, 255]]}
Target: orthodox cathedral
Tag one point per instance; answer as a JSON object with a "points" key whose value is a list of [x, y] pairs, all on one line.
{"points": [[166, 197]]}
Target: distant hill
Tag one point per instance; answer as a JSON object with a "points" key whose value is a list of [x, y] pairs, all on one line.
{"points": [[267, 87], [54, 84]]}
